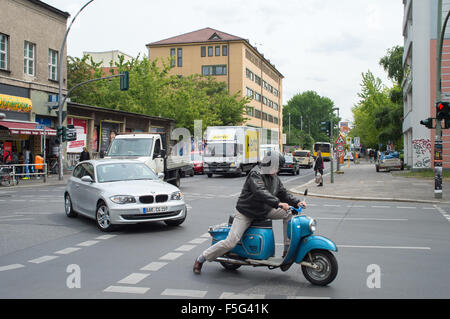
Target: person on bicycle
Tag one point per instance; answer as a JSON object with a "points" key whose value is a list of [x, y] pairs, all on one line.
{"points": [[263, 197]]}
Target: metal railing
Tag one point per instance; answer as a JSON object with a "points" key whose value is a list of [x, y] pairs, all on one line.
{"points": [[10, 174]]}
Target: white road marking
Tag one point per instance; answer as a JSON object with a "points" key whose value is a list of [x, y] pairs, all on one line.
{"points": [[356, 206], [154, 266], [171, 256], [88, 243], [133, 279], [67, 251], [184, 293], [332, 205], [306, 297], [384, 247], [206, 235], [406, 207], [198, 241], [42, 259], [11, 267], [185, 248], [381, 206], [106, 237], [16, 219], [127, 290], [366, 219], [230, 295]]}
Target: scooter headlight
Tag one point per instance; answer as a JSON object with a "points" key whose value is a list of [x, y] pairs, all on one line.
{"points": [[312, 225]]}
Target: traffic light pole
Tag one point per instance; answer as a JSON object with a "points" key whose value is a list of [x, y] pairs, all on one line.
{"points": [[61, 105], [438, 134]]}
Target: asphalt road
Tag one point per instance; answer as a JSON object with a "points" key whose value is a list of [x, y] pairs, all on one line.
{"points": [[386, 250]]}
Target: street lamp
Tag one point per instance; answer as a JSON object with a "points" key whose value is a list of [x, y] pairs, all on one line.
{"points": [[61, 105], [332, 144]]}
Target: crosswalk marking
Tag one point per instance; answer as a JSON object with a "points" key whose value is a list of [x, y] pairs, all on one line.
{"points": [[133, 279], [184, 293], [154, 266], [127, 289]]}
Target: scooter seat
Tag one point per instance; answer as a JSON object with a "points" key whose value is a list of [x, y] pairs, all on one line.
{"points": [[264, 223]]}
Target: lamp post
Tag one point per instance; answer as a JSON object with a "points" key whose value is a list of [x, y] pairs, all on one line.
{"points": [[60, 99], [332, 144]]}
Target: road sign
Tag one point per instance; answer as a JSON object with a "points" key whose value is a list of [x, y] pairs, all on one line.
{"points": [[340, 148], [356, 141], [349, 140], [340, 140]]}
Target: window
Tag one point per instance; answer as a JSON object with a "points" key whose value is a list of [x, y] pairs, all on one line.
{"points": [[210, 51], [180, 57], [217, 49], [275, 120], [257, 80], [270, 118], [275, 106], [214, 70], [250, 93], [3, 52], [172, 57], [29, 53], [224, 50], [264, 100], [264, 116], [275, 92], [250, 111], [203, 51], [257, 97], [249, 74], [52, 64], [258, 114]]}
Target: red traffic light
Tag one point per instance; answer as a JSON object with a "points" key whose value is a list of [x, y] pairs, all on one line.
{"points": [[440, 106]]}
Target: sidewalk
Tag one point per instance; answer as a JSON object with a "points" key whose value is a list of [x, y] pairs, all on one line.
{"points": [[362, 182], [52, 180]]}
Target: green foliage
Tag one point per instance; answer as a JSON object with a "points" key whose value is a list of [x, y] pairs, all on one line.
{"points": [[153, 91], [310, 109]]}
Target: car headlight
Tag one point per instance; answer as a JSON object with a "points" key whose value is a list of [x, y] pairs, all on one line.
{"points": [[312, 225], [122, 199], [176, 196], [232, 164]]}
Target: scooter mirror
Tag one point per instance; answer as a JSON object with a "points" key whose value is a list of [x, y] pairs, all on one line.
{"points": [[306, 192]]}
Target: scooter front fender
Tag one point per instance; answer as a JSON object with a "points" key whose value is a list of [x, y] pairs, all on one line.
{"points": [[312, 243]]}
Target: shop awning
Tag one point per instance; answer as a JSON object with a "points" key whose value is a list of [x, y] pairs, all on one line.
{"points": [[15, 103], [25, 128]]}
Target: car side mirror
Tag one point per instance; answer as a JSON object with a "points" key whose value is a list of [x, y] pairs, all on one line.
{"points": [[87, 179], [161, 176]]}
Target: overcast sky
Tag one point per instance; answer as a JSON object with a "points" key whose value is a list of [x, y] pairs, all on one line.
{"points": [[320, 45]]}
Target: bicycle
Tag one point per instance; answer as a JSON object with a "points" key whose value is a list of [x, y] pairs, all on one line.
{"points": [[6, 176]]}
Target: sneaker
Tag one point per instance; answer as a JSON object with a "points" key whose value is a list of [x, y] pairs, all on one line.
{"points": [[197, 267]]}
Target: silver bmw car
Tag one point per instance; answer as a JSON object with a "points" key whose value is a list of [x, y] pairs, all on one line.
{"points": [[118, 192]]}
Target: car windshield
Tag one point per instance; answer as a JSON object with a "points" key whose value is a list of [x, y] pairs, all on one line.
{"points": [[114, 172], [131, 147], [301, 154], [221, 149], [288, 158]]}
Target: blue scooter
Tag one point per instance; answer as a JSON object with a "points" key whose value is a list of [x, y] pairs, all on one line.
{"points": [[257, 248]]}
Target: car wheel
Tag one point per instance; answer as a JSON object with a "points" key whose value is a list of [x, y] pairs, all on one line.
{"points": [[176, 222], [103, 218], [68, 206]]}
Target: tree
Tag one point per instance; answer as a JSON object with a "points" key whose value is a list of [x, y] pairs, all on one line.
{"points": [[306, 110], [153, 91]]}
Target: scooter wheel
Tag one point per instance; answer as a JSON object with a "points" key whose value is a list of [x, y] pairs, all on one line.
{"points": [[327, 267], [229, 266]]}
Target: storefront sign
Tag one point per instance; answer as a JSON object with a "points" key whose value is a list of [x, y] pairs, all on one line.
{"points": [[15, 103], [80, 126]]}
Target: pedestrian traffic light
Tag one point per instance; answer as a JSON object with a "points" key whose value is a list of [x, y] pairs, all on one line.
{"points": [[442, 110], [428, 122], [59, 131], [124, 80]]}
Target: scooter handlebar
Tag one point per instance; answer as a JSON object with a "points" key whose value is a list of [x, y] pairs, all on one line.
{"points": [[296, 211]]}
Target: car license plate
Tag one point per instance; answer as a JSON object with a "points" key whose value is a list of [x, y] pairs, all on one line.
{"points": [[149, 210]]}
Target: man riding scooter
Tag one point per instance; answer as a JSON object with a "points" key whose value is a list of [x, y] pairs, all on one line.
{"points": [[263, 197]]}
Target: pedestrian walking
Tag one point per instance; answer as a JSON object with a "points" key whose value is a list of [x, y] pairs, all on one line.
{"points": [[84, 156], [318, 167]]}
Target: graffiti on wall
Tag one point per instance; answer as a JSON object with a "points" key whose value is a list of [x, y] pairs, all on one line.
{"points": [[422, 153]]}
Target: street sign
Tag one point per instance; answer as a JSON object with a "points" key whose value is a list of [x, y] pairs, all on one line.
{"points": [[340, 140], [340, 148], [356, 141], [349, 140]]}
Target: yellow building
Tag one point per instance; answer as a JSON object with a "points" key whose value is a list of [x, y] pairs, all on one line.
{"points": [[233, 60]]}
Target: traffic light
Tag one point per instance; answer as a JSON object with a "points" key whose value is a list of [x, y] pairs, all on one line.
{"points": [[442, 110], [64, 133], [447, 123], [428, 122], [71, 133], [124, 80], [59, 131], [326, 127]]}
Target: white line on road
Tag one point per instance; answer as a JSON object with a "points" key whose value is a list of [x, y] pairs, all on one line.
{"points": [[185, 248], [67, 251], [105, 237], [42, 259], [406, 207], [133, 279], [154, 266], [171, 256], [11, 267], [127, 290], [381, 206], [230, 295], [365, 219], [184, 293], [198, 241], [326, 205], [88, 243]]}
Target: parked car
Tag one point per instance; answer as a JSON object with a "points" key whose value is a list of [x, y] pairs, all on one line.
{"points": [[290, 165], [197, 159], [304, 158], [119, 192], [388, 161]]}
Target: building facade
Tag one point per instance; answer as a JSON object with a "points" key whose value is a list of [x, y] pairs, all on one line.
{"points": [[232, 60], [31, 34], [419, 85], [108, 60]]}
